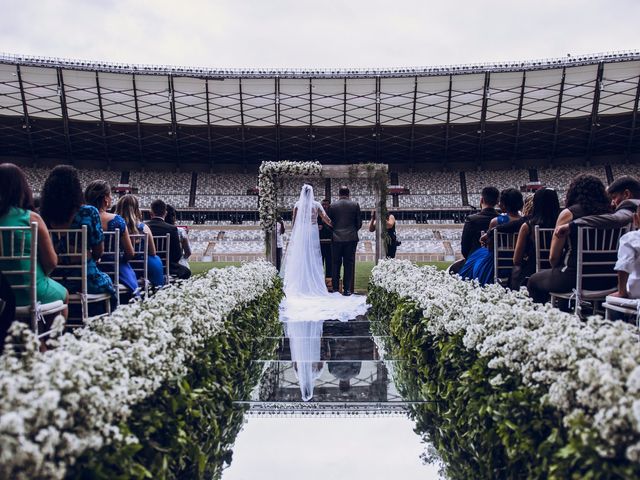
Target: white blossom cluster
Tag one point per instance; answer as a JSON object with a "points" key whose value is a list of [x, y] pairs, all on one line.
{"points": [[589, 371], [267, 187], [56, 405]]}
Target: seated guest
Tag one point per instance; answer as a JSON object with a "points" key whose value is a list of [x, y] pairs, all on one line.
{"points": [[98, 194], [628, 264], [170, 218], [15, 205], [475, 225], [544, 213], [479, 265], [158, 228], [62, 207], [586, 196], [129, 209], [625, 199]]}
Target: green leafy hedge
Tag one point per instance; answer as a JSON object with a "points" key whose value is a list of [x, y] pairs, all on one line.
{"points": [[187, 428], [481, 429]]}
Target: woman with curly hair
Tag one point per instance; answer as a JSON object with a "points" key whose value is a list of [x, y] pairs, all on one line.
{"points": [[586, 196], [62, 207]]}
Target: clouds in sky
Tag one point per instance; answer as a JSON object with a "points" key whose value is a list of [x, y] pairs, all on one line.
{"points": [[328, 33]]}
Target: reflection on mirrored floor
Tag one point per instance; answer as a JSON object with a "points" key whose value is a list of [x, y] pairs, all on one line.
{"points": [[328, 367]]}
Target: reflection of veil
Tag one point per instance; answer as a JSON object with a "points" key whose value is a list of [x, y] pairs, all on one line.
{"points": [[302, 267], [304, 342]]}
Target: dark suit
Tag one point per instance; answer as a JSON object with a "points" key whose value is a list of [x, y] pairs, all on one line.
{"points": [[473, 226], [622, 217], [346, 219], [160, 228]]}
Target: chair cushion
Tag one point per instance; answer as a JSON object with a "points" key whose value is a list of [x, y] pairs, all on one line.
{"points": [[623, 302], [45, 308]]}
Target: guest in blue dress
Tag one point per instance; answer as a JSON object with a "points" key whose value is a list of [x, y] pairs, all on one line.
{"points": [[62, 208], [128, 208], [480, 266], [98, 194]]}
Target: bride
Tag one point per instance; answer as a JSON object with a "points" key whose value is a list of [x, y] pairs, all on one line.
{"points": [[307, 298]]}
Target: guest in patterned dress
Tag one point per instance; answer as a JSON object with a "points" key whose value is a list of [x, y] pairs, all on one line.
{"points": [[98, 194], [62, 207], [129, 209]]}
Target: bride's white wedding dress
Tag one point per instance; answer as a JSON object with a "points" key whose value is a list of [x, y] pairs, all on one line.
{"points": [[307, 298], [307, 302]]}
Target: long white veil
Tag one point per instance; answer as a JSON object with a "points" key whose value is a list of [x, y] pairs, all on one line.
{"points": [[302, 267]]}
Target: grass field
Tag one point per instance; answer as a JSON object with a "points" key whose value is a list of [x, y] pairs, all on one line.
{"points": [[363, 270]]}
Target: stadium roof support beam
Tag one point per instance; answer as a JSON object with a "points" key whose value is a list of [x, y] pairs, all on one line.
{"points": [[378, 129], [242, 132], [25, 112], [413, 123], [447, 125], [209, 136], [174, 119], [138, 124], [65, 114], [344, 122], [593, 125], [483, 117], [277, 110], [103, 125], [516, 142], [556, 122], [634, 122], [311, 136]]}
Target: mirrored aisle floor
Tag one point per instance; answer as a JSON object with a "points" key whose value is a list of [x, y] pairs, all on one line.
{"points": [[327, 407]]}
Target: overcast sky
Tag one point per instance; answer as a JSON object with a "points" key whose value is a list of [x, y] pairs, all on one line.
{"points": [[322, 33]]}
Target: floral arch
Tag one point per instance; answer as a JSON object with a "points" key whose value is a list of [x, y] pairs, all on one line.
{"points": [[270, 172]]}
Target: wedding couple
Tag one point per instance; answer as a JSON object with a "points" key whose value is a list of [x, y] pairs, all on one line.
{"points": [[307, 297]]}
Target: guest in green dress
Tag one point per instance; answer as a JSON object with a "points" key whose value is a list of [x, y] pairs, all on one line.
{"points": [[15, 205]]}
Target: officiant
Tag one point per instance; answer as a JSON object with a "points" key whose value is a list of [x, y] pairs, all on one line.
{"points": [[325, 240]]}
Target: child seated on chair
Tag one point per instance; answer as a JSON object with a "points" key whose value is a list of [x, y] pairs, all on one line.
{"points": [[628, 264]]}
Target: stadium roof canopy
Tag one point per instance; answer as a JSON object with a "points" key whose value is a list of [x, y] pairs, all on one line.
{"points": [[577, 109]]}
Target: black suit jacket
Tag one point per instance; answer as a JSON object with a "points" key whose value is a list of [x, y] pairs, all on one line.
{"points": [[346, 219], [473, 225], [160, 228]]}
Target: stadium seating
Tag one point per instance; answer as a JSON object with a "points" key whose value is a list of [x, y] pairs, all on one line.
{"points": [[172, 187], [225, 184], [37, 177]]}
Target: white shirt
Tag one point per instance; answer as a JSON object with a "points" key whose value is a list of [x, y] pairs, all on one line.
{"points": [[278, 236], [629, 261]]}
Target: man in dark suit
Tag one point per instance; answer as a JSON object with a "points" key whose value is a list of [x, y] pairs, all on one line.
{"points": [[477, 223], [346, 220], [160, 228]]}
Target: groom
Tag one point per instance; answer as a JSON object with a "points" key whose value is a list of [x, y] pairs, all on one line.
{"points": [[346, 220]]}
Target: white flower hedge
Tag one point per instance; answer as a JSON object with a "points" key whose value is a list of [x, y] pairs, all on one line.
{"points": [[56, 405], [266, 184], [589, 371]]}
